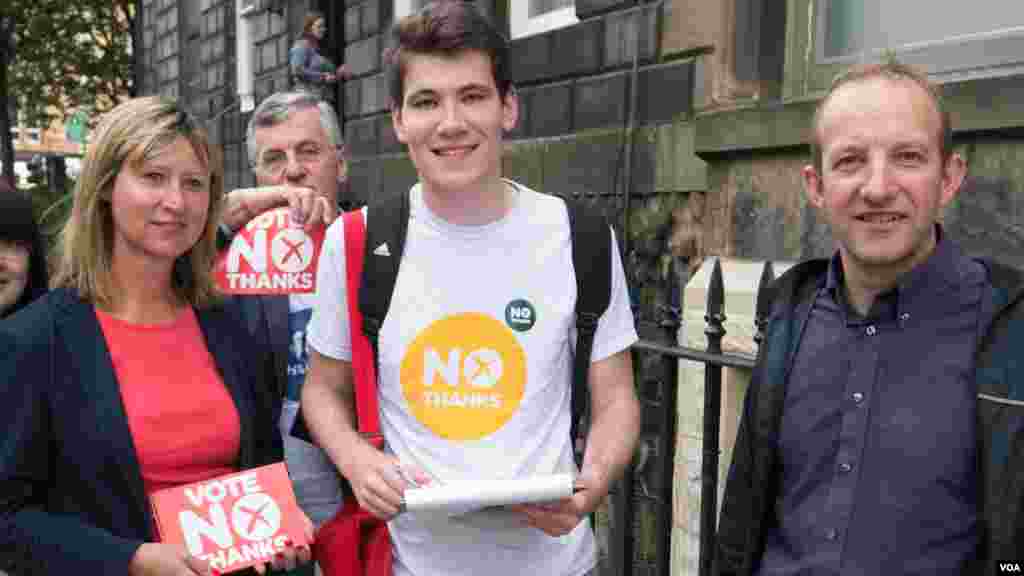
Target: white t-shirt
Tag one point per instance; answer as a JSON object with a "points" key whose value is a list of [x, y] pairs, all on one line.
{"points": [[475, 374]]}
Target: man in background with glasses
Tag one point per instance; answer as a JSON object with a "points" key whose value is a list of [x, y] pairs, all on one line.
{"points": [[296, 150]]}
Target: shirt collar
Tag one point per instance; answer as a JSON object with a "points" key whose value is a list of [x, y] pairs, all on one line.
{"points": [[940, 269]]}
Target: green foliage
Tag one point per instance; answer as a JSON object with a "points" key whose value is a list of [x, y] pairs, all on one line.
{"points": [[51, 218], [69, 56], [51, 209]]}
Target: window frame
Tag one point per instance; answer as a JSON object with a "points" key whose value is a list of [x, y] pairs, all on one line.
{"points": [[820, 12], [402, 8], [521, 24], [993, 53]]}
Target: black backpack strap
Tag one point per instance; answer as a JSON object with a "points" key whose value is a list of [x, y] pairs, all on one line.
{"points": [[592, 263], [387, 220]]}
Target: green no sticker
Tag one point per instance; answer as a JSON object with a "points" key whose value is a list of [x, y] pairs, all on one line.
{"points": [[520, 315]]}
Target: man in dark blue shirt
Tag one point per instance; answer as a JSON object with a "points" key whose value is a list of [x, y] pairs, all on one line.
{"points": [[859, 449]]}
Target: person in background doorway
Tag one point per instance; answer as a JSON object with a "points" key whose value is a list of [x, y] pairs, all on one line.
{"points": [[309, 70]]}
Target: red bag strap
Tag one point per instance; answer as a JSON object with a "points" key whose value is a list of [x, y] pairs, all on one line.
{"points": [[363, 370]]}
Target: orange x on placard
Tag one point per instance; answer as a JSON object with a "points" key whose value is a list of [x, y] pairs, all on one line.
{"points": [[293, 250]]}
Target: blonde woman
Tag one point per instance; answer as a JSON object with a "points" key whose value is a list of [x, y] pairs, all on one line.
{"points": [[133, 374]]}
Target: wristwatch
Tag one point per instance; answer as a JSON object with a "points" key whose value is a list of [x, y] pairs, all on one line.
{"points": [[224, 235]]}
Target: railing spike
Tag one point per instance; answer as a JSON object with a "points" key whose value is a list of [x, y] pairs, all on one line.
{"points": [[763, 304], [714, 330], [716, 290], [765, 291]]}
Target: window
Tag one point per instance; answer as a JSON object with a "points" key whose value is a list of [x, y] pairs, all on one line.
{"points": [[842, 28], [982, 38], [529, 17], [404, 8], [540, 7]]}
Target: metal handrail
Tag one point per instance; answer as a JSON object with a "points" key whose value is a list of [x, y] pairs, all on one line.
{"points": [[714, 359], [724, 359]]}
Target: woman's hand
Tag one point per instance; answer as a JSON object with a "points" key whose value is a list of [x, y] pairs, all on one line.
{"points": [[155, 559]]}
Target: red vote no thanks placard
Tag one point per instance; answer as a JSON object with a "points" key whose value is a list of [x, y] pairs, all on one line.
{"points": [[271, 255], [233, 521]]}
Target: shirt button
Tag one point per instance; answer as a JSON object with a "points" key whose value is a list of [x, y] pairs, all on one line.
{"points": [[845, 467], [905, 316], [857, 397], [871, 330], [831, 534]]}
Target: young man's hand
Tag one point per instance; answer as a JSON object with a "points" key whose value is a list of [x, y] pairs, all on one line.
{"points": [[562, 516], [378, 481]]}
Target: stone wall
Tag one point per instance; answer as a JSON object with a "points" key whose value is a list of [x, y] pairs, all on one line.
{"points": [[987, 217], [757, 209]]}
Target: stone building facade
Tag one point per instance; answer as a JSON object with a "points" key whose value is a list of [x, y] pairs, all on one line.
{"points": [[685, 120]]}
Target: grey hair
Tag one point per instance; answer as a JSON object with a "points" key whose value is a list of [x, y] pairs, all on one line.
{"points": [[277, 107]]}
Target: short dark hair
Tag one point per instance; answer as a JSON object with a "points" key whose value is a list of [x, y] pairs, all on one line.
{"points": [[890, 70], [446, 27], [18, 224]]}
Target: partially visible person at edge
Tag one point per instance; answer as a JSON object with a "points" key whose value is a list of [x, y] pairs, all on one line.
{"points": [[295, 146], [126, 378], [23, 272], [883, 431], [477, 243], [310, 71]]}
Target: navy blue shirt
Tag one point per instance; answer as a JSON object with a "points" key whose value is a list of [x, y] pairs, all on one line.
{"points": [[877, 442]]}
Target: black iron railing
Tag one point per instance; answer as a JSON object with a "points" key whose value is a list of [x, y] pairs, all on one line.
{"points": [[668, 323]]}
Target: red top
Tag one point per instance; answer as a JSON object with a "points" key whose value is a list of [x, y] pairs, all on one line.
{"points": [[181, 415]]}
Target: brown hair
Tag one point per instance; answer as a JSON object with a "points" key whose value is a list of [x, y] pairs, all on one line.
{"points": [[126, 136], [310, 19], [445, 27], [890, 70]]}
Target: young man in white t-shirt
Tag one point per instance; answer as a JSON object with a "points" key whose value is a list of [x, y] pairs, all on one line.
{"points": [[468, 391]]}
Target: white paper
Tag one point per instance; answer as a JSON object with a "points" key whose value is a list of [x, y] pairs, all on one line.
{"points": [[467, 496]]}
